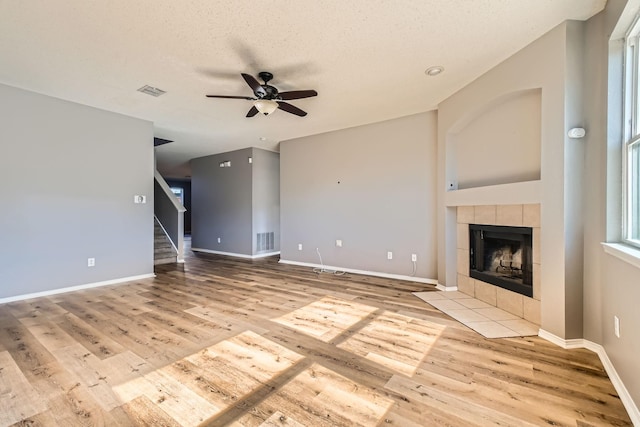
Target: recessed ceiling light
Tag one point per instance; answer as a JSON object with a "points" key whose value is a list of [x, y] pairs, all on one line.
{"points": [[262, 138], [434, 71]]}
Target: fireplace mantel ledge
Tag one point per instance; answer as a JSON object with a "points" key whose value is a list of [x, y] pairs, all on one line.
{"points": [[623, 252], [517, 193]]}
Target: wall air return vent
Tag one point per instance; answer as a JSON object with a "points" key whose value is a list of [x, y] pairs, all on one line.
{"points": [[150, 90], [264, 241]]}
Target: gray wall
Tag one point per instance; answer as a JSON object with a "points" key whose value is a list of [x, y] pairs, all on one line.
{"points": [[508, 129], [266, 195], [610, 285], [371, 186], [221, 199], [543, 65], [61, 201], [579, 73], [574, 152]]}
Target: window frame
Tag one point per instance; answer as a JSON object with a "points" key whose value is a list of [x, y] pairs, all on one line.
{"points": [[179, 193], [631, 134]]}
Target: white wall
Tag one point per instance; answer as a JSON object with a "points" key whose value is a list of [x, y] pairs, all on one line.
{"points": [[69, 174], [371, 186]]}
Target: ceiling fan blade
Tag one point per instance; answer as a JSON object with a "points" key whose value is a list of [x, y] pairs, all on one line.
{"points": [[291, 109], [253, 83], [297, 94], [252, 112], [231, 97]]}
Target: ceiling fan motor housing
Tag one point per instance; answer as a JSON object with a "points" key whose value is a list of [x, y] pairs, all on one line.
{"points": [[271, 92]]}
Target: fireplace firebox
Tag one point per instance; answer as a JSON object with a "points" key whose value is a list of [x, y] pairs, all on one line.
{"points": [[501, 256]]}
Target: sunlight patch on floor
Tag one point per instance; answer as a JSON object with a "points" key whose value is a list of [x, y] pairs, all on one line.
{"points": [[326, 318], [395, 341], [320, 396], [204, 384]]}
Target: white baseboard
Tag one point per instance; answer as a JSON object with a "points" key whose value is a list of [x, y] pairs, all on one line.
{"points": [[363, 272], [75, 288], [625, 397], [209, 251], [442, 287]]}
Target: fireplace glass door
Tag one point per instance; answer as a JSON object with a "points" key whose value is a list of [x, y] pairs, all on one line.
{"points": [[502, 256]]}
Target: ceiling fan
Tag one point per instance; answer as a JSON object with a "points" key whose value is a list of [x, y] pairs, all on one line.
{"points": [[267, 99]]}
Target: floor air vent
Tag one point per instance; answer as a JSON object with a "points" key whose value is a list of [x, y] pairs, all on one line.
{"points": [[265, 241]]}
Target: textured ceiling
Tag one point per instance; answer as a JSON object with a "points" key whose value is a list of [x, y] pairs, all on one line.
{"points": [[366, 59]]}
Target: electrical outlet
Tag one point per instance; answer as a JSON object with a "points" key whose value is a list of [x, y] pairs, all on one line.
{"points": [[389, 255], [91, 262], [414, 257], [339, 243], [299, 246], [219, 240], [616, 326]]}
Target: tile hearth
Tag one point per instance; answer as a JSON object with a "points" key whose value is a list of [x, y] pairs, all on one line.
{"points": [[489, 321]]}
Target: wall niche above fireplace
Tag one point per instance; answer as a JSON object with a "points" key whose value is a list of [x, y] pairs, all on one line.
{"points": [[502, 256]]}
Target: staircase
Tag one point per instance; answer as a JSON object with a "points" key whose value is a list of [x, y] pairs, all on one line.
{"points": [[163, 251]]}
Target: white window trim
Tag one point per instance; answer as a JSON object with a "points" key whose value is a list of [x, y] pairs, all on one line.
{"points": [[631, 131], [623, 252]]}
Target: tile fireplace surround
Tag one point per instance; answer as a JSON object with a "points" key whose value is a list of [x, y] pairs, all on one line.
{"points": [[509, 215]]}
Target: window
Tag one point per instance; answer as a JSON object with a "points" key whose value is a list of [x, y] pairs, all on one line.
{"points": [[631, 152], [633, 192], [179, 193]]}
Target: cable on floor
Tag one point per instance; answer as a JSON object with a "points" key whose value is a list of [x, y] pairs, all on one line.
{"points": [[326, 270]]}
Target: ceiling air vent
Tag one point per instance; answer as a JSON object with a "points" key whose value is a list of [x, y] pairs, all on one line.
{"points": [[150, 90]]}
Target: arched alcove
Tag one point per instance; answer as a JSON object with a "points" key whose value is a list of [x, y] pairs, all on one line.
{"points": [[498, 143]]}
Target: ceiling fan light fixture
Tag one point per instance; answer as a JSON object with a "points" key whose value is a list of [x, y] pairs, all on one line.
{"points": [[266, 106]]}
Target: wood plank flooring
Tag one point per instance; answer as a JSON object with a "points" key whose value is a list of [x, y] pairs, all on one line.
{"points": [[221, 341]]}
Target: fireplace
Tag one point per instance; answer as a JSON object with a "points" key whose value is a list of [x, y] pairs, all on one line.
{"points": [[502, 256]]}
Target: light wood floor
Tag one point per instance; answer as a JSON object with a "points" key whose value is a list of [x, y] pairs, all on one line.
{"points": [[221, 341]]}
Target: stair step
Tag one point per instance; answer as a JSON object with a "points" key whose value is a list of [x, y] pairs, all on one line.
{"points": [[168, 260], [163, 253], [163, 250]]}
